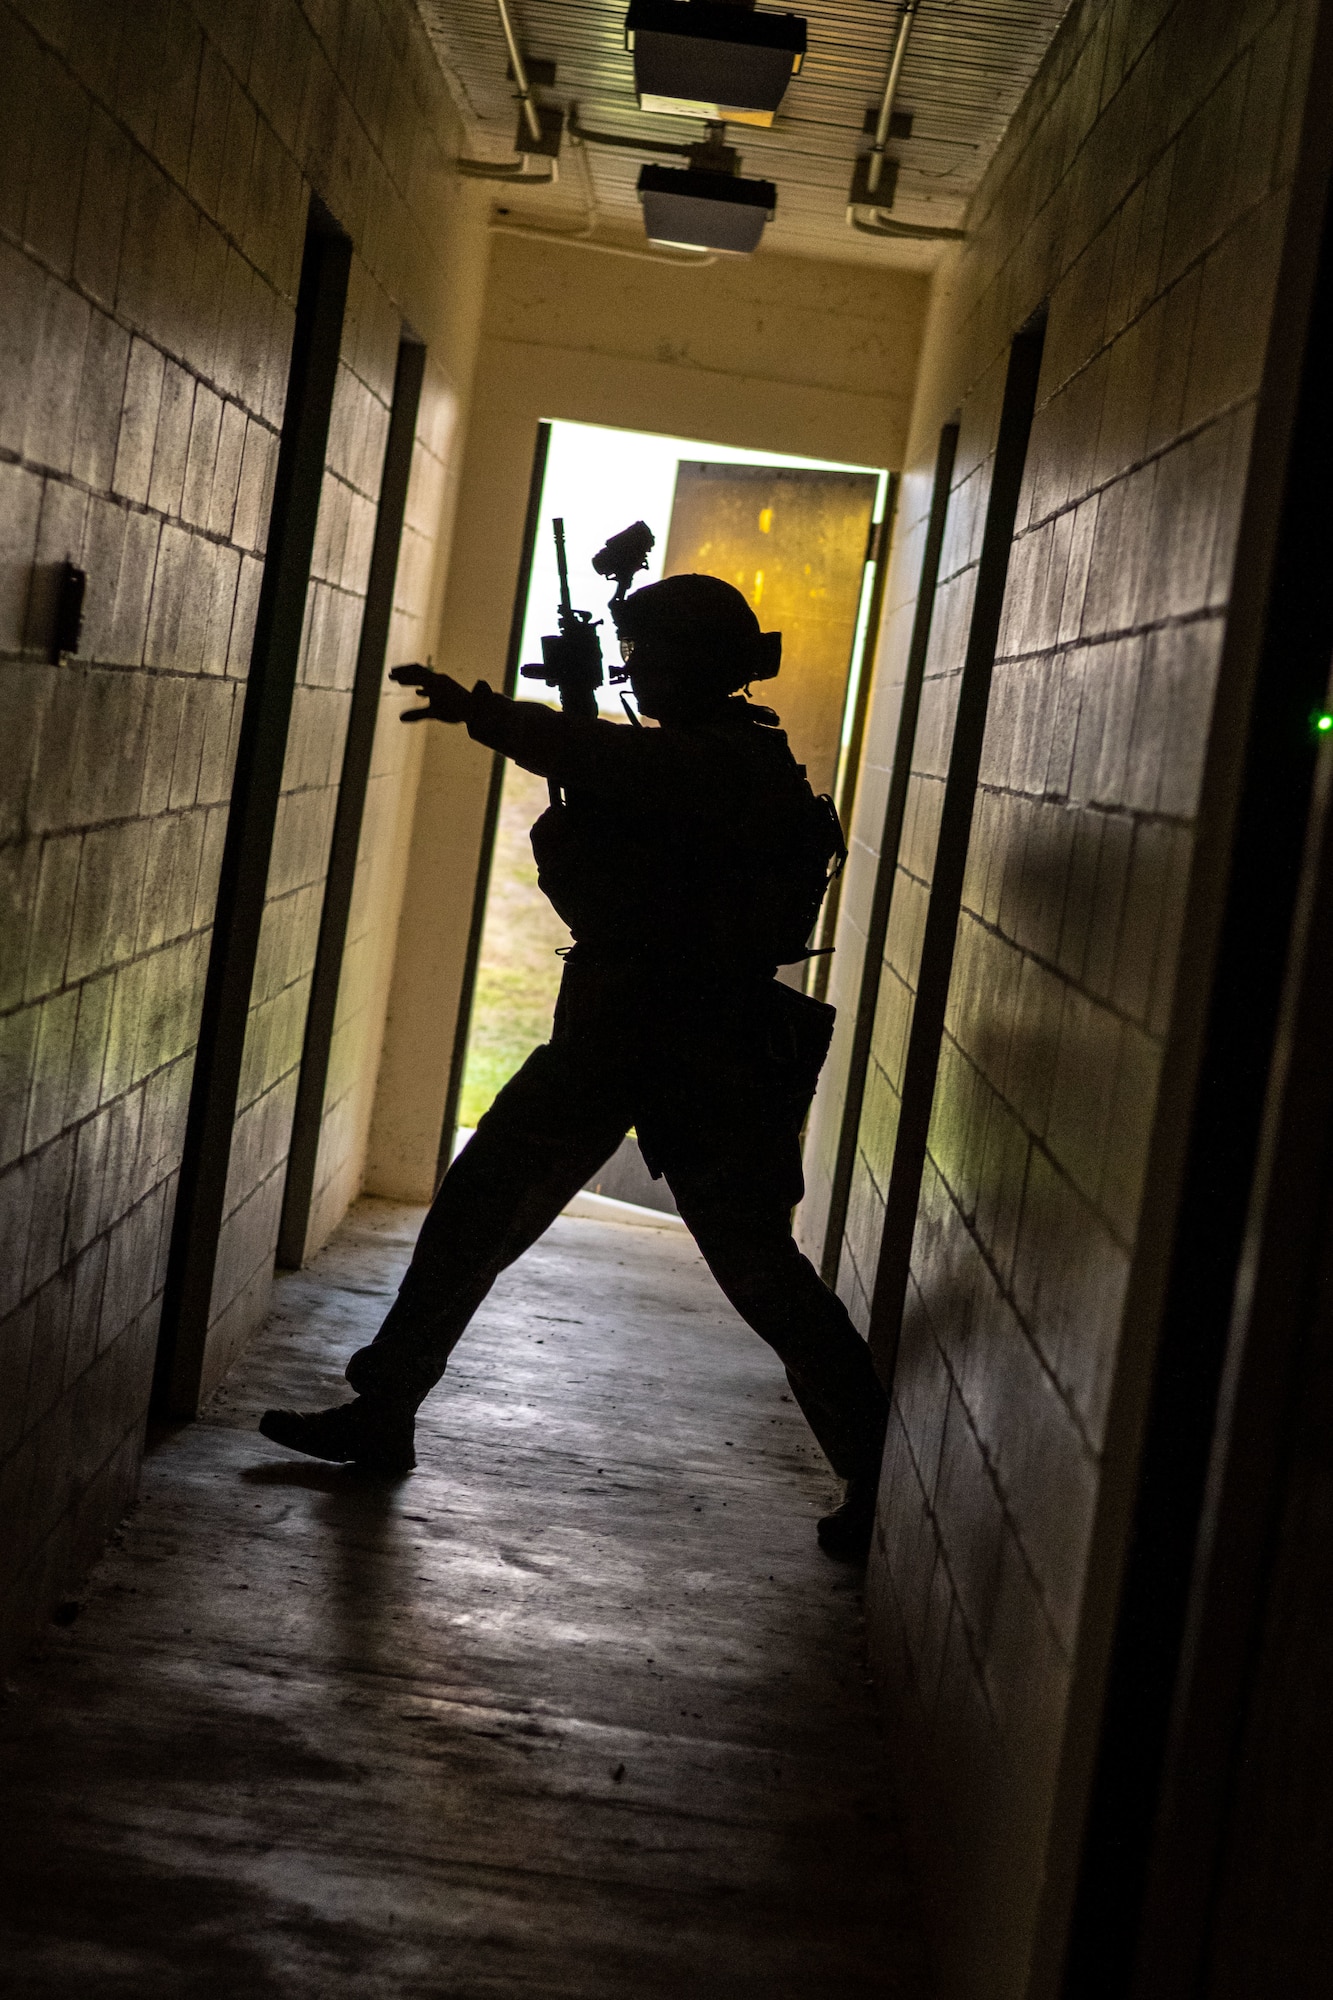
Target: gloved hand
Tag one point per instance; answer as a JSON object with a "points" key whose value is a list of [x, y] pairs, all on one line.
{"points": [[446, 700]]}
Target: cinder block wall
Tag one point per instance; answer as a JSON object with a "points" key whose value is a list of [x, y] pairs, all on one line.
{"points": [[157, 165], [1142, 190]]}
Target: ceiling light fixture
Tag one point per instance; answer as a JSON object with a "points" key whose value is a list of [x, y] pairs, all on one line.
{"points": [[691, 209], [707, 205], [711, 59]]}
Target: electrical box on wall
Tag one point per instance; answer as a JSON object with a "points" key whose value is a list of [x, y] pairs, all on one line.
{"points": [[71, 584]]}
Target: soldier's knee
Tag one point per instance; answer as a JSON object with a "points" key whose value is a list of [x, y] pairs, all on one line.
{"points": [[756, 1273]]}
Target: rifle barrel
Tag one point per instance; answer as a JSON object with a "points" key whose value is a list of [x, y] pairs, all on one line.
{"points": [[566, 608]]}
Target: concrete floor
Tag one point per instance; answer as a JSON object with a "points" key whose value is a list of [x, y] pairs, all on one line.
{"points": [[578, 1709]]}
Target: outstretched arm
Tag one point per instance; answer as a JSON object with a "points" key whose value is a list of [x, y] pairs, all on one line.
{"points": [[446, 700], [644, 767]]}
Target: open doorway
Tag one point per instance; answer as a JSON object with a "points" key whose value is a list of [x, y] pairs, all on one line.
{"points": [[800, 538]]}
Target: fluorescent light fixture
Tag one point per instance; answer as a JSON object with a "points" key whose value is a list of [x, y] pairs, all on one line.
{"points": [[708, 60], [697, 210]]}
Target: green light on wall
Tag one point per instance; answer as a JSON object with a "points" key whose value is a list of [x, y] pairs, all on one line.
{"points": [[1323, 723]]}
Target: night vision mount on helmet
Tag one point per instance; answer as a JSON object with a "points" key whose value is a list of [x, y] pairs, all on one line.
{"points": [[702, 615]]}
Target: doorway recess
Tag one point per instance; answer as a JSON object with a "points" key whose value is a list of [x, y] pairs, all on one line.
{"points": [[801, 538], [256, 789], [308, 1116]]}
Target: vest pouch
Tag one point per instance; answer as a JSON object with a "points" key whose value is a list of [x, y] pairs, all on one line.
{"points": [[799, 1030]]}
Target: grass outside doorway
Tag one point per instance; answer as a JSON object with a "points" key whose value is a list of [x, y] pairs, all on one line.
{"points": [[519, 973]]}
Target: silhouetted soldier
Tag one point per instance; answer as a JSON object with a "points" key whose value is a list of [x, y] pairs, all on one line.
{"points": [[682, 859]]}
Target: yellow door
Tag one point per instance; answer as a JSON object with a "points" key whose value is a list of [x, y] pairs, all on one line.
{"points": [[795, 543]]}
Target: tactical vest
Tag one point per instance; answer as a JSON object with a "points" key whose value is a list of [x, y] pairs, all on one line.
{"points": [[740, 892]]}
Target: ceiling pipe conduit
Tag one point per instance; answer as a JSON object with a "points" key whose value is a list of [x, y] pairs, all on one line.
{"points": [[576, 240], [883, 225], [520, 69], [904, 35], [912, 232], [585, 238], [623, 139], [502, 170]]}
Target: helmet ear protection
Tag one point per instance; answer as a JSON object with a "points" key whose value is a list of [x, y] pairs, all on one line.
{"points": [[768, 656]]}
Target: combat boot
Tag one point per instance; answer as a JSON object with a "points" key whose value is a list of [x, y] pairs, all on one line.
{"points": [[847, 1532], [375, 1435]]}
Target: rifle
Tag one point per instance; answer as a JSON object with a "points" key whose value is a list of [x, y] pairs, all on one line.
{"points": [[572, 657]]}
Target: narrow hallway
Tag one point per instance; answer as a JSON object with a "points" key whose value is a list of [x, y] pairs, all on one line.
{"points": [[578, 1709]]}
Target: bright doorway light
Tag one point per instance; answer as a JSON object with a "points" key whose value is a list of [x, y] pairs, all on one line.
{"points": [[599, 480]]}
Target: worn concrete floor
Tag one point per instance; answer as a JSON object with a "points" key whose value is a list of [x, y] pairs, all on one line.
{"points": [[578, 1709]]}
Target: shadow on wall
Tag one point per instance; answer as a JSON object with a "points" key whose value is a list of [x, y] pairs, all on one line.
{"points": [[1042, 1112], [1039, 1131]]}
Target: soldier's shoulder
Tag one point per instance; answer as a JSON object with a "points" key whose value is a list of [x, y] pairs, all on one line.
{"points": [[751, 728]]}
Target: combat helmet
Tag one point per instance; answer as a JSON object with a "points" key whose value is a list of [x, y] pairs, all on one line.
{"points": [[711, 626]]}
